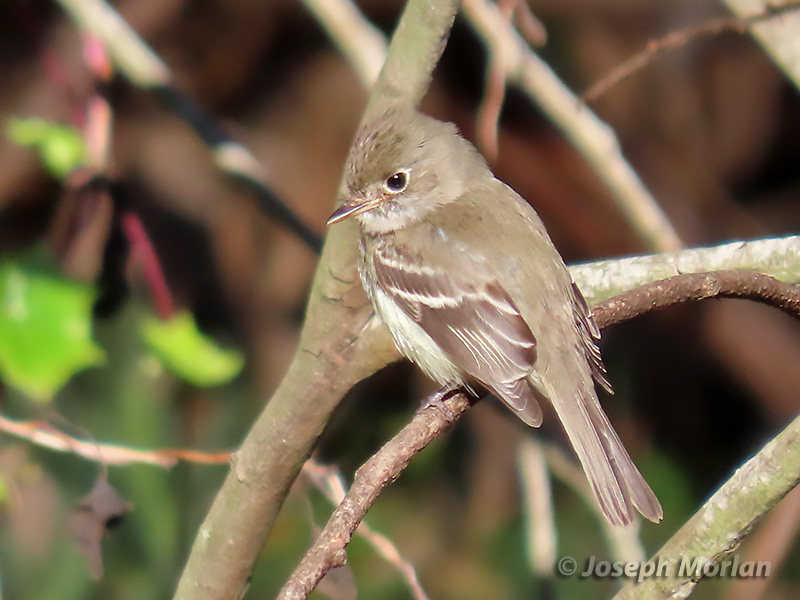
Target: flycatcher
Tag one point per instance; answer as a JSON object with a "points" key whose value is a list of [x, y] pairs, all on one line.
{"points": [[461, 270]]}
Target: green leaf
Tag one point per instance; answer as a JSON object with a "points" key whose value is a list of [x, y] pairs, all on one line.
{"points": [[45, 330], [61, 147], [183, 349]]}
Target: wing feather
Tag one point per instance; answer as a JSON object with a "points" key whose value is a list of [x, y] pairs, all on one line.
{"points": [[476, 324]]}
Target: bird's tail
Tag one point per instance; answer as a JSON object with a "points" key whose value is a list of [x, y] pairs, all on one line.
{"points": [[616, 482]]}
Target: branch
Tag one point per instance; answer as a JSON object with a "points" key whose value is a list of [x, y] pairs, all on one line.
{"points": [[717, 529], [339, 345], [513, 60], [43, 435], [748, 285], [778, 257], [678, 39], [329, 481], [383, 468], [591, 137], [494, 92], [777, 36], [623, 542], [363, 44], [539, 515], [773, 541]]}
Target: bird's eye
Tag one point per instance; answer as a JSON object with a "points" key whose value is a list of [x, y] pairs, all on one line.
{"points": [[397, 182]]}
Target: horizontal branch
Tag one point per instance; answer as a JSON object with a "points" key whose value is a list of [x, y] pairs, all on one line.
{"points": [[600, 280], [45, 436], [747, 285]]}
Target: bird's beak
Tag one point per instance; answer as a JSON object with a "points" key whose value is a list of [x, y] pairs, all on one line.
{"points": [[353, 207]]}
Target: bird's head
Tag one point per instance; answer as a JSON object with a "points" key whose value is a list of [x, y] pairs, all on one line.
{"points": [[402, 166]]}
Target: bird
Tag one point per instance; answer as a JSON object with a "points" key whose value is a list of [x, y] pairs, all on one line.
{"points": [[461, 270]]}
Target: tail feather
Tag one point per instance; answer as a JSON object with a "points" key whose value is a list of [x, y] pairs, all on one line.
{"points": [[615, 481], [634, 488]]}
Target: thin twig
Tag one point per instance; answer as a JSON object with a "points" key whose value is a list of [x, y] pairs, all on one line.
{"points": [[494, 93], [383, 468], [678, 39], [623, 542], [329, 481], [541, 536], [85, 214], [42, 434], [488, 116], [143, 251]]}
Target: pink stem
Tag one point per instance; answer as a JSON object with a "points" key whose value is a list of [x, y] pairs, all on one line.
{"points": [[142, 251]]}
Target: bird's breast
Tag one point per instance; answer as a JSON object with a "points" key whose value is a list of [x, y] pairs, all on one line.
{"points": [[411, 339]]}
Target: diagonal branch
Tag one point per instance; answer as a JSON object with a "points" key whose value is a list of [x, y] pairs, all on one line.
{"points": [[677, 39], [363, 44], [329, 481], [717, 529], [591, 137], [382, 469]]}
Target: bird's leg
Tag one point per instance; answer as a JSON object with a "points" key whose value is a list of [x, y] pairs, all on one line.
{"points": [[437, 399]]}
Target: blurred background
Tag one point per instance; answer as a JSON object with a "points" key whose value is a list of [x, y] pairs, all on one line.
{"points": [[712, 128]]}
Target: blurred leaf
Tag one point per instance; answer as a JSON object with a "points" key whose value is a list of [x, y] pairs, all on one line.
{"points": [[100, 510], [61, 147], [45, 330], [184, 350]]}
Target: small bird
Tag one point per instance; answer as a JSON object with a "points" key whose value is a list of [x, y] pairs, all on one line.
{"points": [[461, 270]]}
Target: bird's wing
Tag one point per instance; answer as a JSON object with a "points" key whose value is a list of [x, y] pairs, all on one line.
{"points": [[472, 319]]}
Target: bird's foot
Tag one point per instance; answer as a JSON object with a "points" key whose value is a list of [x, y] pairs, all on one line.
{"points": [[437, 401]]}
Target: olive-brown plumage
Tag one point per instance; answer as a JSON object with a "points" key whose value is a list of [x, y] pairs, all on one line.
{"points": [[462, 271]]}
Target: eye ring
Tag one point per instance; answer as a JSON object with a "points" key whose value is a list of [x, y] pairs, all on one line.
{"points": [[398, 182]]}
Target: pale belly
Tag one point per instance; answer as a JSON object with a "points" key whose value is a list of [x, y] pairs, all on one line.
{"points": [[415, 344]]}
